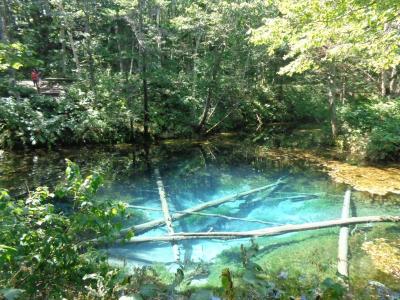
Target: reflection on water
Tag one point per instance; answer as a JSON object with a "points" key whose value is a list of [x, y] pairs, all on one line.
{"points": [[193, 174]]}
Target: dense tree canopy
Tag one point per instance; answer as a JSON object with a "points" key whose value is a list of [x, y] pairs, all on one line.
{"points": [[183, 68]]}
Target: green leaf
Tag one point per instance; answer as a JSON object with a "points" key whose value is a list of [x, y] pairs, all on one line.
{"points": [[16, 65]]}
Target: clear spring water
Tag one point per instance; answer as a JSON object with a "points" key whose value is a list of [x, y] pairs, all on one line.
{"points": [[193, 174]]}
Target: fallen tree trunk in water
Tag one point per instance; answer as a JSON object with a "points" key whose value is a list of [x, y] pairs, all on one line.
{"points": [[271, 231], [167, 215], [343, 248], [153, 224], [208, 215]]}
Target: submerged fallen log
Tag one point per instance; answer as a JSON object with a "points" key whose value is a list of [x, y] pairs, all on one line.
{"points": [[343, 248], [167, 215], [153, 224], [208, 215], [281, 199], [271, 231]]}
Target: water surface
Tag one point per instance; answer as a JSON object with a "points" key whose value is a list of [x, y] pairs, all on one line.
{"points": [[196, 173]]}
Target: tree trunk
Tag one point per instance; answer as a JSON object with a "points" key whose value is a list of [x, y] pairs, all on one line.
{"points": [[384, 83], [343, 248], [92, 79], [269, 231], [195, 63], [65, 23], [211, 87], [63, 52], [167, 215], [6, 34], [156, 223], [117, 37], [74, 51], [393, 82], [146, 115], [209, 215], [332, 106], [132, 54], [206, 109], [159, 37], [142, 51]]}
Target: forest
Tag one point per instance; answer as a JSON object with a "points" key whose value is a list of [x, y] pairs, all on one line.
{"points": [[193, 149]]}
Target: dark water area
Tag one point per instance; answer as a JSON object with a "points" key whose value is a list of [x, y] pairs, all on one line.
{"points": [[193, 173]]}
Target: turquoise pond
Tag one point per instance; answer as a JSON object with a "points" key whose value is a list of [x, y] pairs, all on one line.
{"points": [[193, 174]]}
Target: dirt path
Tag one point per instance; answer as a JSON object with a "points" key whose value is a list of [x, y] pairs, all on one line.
{"points": [[46, 88]]}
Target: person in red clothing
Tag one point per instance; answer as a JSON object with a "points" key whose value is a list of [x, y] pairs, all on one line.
{"points": [[35, 78]]}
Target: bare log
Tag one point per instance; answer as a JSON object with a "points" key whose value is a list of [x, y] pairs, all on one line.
{"points": [[271, 231], [208, 215], [343, 248], [167, 215], [155, 223]]}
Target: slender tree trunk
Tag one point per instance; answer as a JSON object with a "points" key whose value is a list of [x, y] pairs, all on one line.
{"points": [[131, 134], [195, 63], [4, 14], [89, 51], [146, 115], [74, 51], [384, 83], [132, 54], [142, 51], [63, 52], [393, 82], [206, 109], [268, 231], [343, 91], [71, 41], [211, 87], [6, 34], [332, 106], [159, 36], [117, 36]]}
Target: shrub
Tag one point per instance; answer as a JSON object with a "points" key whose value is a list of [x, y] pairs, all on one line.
{"points": [[46, 121], [45, 253], [374, 126]]}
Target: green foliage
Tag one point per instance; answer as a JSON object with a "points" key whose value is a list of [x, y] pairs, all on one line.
{"points": [[15, 56], [47, 253], [45, 121], [374, 127], [333, 289], [227, 284]]}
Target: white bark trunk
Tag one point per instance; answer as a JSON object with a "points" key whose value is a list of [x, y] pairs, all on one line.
{"points": [[167, 215], [208, 215], [271, 231], [153, 224], [343, 248]]}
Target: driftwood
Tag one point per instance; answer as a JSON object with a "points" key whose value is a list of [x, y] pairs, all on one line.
{"points": [[271, 231], [208, 215], [167, 215], [155, 223], [343, 248]]}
